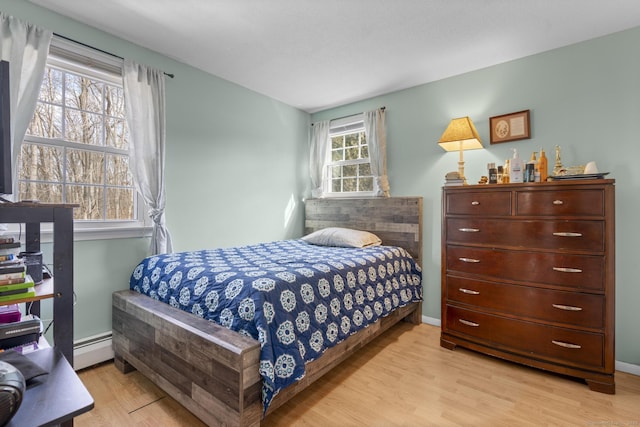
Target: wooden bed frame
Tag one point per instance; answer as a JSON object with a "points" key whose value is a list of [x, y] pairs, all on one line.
{"points": [[213, 371]]}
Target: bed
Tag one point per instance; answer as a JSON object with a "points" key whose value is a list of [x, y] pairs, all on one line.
{"points": [[223, 376]]}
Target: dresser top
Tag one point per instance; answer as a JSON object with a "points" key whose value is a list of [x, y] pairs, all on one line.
{"points": [[540, 185]]}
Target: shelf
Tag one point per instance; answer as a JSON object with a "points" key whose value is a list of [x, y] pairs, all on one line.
{"points": [[44, 290], [60, 290], [59, 396]]}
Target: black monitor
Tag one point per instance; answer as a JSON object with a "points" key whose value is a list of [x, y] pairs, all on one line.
{"points": [[5, 131]]}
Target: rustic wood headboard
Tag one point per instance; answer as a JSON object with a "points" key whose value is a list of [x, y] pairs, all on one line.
{"points": [[396, 220]]}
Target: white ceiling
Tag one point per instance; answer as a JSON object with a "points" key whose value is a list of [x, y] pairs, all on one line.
{"points": [[317, 54]]}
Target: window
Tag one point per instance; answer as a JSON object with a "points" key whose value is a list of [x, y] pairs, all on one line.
{"points": [[349, 167], [76, 147]]}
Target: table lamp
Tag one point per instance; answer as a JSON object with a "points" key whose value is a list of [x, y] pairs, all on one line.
{"points": [[460, 135]]}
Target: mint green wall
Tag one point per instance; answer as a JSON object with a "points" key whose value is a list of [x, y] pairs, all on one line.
{"points": [[585, 98], [236, 164]]}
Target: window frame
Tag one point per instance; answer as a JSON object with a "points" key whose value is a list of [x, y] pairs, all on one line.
{"points": [[85, 61], [344, 126]]}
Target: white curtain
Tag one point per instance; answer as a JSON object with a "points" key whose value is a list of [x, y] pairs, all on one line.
{"points": [[144, 94], [25, 46], [318, 156], [375, 129]]}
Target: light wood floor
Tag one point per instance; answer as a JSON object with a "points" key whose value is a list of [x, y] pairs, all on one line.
{"points": [[403, 378]]}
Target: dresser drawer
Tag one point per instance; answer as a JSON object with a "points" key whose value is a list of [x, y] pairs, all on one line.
{"points": [[572, 271], [567, 202], [571, 308], [571, 347], [538, 234], [478, 203]]}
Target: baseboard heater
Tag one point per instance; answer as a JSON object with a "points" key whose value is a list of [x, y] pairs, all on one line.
{"points": [[92, 350]]}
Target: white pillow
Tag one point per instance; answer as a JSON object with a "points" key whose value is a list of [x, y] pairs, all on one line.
{"points": [[342, 237]]}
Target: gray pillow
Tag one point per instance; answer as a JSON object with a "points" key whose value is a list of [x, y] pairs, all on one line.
{"points": [[342, 237]]}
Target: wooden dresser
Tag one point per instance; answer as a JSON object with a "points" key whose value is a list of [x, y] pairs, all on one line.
{"points": [[528, 275]]}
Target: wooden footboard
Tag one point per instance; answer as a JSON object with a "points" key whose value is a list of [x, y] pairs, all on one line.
{"points": [[210, 370]]}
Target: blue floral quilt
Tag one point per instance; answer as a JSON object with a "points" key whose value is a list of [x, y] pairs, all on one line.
{"points": [[295, 298]]}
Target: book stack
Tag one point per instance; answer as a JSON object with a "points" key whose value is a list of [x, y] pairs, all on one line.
{"points": [[15, 283], [453, 178]]}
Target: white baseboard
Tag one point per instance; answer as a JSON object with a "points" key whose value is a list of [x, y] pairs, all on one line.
{"points": [[431, 321], [629, 368], [92, 350]]}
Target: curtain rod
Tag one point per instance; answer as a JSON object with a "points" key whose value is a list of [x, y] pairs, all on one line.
{"points": [[344, 117], [100, 50]]}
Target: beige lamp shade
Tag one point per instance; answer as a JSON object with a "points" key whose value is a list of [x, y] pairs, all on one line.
{"points": [[459, 136], [463, 131]]}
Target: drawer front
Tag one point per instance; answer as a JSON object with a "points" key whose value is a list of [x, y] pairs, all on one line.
{"points": [[571, 308], [538, 234], [569, 202], [573, 271], [556, 344], [478, 203]]}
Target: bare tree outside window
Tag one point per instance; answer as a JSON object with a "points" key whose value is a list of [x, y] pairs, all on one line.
{"points": [[350, 166], [76, 148]]}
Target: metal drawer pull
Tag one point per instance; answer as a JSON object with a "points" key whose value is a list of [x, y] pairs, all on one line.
{"points": [[475, 203], [566, 344], [567, 270], [568, 234], [558, 202], [469, 260], [566, 307], [468, 323], [469, 230], [469, 291]]}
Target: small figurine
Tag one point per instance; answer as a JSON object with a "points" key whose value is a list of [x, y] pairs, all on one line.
{"points": [[557, 168], [483, 180]]}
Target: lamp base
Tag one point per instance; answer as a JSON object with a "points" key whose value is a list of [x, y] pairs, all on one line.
{"points": [[461, 170]]}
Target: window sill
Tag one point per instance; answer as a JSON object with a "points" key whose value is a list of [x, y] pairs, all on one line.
{"points": [[351, 195], [87, 232], [101, 233]]}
